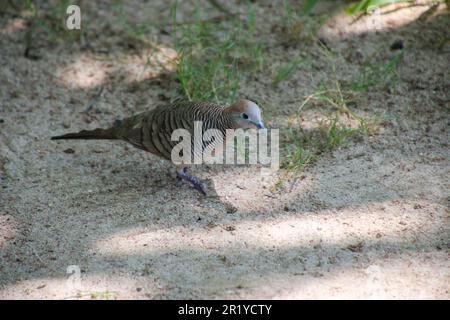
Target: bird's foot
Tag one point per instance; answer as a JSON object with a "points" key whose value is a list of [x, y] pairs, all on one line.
{"points": [[196, 183]]}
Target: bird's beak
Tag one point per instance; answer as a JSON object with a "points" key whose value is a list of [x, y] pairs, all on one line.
{"points": [[260, 125]]}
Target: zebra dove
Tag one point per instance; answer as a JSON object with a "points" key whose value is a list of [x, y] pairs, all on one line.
{"points": [[152, 130]]}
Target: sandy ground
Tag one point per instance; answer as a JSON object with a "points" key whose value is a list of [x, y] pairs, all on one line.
{"points": [[368, 220]]}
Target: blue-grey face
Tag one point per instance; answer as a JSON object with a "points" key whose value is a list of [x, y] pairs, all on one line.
{"points": [[248, 115]]}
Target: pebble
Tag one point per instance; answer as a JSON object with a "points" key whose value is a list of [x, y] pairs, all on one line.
{"points": [[397, 45]]}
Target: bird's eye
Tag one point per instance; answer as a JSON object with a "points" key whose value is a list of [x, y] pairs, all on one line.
{"points": [[245, 116]]}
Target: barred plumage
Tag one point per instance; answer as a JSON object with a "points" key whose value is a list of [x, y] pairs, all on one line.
{"points": [[152, 130]]}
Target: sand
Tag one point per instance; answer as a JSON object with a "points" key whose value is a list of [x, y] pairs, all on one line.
{"points": [[100, 220]]}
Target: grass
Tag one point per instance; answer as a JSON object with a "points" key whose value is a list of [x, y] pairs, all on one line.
{"points": [[364, 6], [373, 73], [335, 133], [213, 79], [137, 31], [99, 295], [298, 157], [214, 57], [286, 70], [304, 148], [46, 24], [51, 21], [369, 6], [298, 24]]}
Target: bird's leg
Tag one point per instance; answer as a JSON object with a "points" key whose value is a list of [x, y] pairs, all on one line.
{"points": [[196, 183]]}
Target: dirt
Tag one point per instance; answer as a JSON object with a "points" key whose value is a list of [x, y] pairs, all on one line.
{"points": [[367, 220]]}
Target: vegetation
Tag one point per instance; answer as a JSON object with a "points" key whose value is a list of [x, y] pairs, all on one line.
{"points": [[217, 55], [214, 58], [364, 6]]}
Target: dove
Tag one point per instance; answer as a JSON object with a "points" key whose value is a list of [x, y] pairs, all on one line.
{"points": [[152, 130]]}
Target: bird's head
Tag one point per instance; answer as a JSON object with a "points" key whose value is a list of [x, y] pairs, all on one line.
{"points": [[246, 115]]}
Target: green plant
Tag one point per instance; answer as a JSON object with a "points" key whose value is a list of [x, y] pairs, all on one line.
{"points": [[299, 148], [50, 20], [286, 70], [135, 31], [291, 14], [364, 6], [99, 295], [373, 73], [303, 148], [213, 57], [298, 157], [279, 185], [298, 25], [214, 80], [335, 133]]}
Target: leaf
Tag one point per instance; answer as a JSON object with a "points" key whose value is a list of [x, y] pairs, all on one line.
{"points": [[309, 7], [363, 6]]}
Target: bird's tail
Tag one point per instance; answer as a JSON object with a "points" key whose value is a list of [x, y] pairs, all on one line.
{"points": [[90, 134]]}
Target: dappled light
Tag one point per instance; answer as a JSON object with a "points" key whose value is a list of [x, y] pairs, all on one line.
{"points": [[84, 73], [90, 71], [14, 25], [381, 19], [358, 209], [386, 228]]}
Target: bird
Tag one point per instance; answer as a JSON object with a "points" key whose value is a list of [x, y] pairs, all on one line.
{"points": [[152, 130]]}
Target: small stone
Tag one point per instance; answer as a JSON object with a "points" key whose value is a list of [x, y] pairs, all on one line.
{"points": [[397, 45], [138, 289], [69, 150], [355, 247], [230, 208], [230, 228]]}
